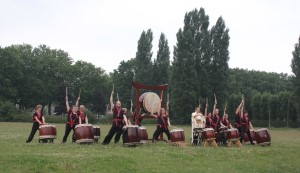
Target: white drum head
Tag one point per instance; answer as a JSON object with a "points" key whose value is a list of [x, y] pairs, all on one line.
{"points": [[47, 125], [151, 102], [208, 129], [177, 130]]}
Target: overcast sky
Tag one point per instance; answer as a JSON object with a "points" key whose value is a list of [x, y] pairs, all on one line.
{"points": [[104, 32]]}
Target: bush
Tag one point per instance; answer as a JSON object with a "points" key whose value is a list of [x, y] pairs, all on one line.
{"points": [[7, 109]]}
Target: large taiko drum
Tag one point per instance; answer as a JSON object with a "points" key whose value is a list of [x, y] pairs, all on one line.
{"points": [[263, 137], [233, 134], [131, 135], [84, 133], [177, 135], [149, 101], [47, 132], [252, 133], [208, 134], [143, 134], [97, 133]]}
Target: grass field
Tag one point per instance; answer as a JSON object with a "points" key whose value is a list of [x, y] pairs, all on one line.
{"points": [[18, 156]]}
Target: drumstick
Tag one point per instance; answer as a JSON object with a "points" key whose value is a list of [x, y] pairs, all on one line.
{"points": [[118, 97], [79, 92], [66, 91]]}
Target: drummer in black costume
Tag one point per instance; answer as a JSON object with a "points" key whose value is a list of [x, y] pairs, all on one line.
{"points": [[72, 121], [163, 121], [38, 119], [119, 117], [83, 116]]}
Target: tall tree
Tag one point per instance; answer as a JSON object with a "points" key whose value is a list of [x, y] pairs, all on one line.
{"points": [[296, 80], [200, 23], [162, 62], [183, 78], [143, 67], [219, 39]]}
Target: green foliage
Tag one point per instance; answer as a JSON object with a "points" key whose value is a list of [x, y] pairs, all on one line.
{"points": [[40, 75], [200, 66], [143, 63], [122, 78], [162, 62], [296, 79], [7, 109]]}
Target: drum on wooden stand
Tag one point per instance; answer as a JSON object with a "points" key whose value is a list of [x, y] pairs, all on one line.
{"points": [[131, 135], [47, 133], [233, 134], [263, 137], [84, 133], [177, 135], [149, 101], [97, 133], [246, 138], [143, 135], [208, 134], [209, 137]]}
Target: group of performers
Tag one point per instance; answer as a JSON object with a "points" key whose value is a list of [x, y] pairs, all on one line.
{"points": [[76, 115], [213, 120]]}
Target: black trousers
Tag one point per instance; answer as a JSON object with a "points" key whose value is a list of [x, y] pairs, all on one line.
{"points": [[113, 130], [247, 131], [159, 130], [35, 127], [67, 132]]}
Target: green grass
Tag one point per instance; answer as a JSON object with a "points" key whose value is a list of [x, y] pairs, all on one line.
{"points": [[18, 156]]}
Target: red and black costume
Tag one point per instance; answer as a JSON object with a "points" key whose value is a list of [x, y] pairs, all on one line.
{"points": [[35, 125], [209, 122], [72, 121], [82, 115], [216, 122], [226, 123], [245, 128], [237, 123], [162, 126], [117, 125]]}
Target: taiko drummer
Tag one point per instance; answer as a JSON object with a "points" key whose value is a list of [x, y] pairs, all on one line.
{"points": [[38, 119], [119, 118], [83, 116], [72, 121], [163, 121]]}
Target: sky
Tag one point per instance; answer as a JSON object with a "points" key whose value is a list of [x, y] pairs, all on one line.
{"points": [[262, 33]]}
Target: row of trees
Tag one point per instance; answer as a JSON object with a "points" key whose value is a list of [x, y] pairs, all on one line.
{"points": [[29, 76], [198, 71]]}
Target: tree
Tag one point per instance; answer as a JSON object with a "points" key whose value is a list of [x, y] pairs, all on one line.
{"points": [[143, 66], [162, 62], [296, 79], [122, 78], [183, 93], [219, 39]]}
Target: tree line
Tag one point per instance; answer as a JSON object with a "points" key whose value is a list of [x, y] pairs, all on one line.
{"points": [[199, 71]]}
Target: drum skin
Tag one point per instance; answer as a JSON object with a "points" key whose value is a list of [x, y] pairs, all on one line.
{"points": [[47, 132], [84, 133], [208, 133], [263, 137], [149, 102], [233, 134], [143, 135], [131, 134], [177, 135], [252, 133]]}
